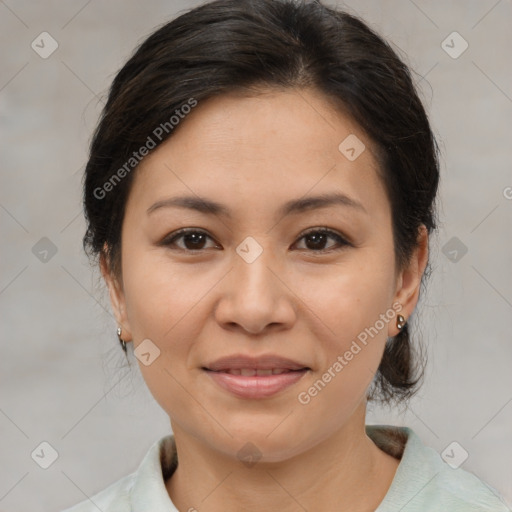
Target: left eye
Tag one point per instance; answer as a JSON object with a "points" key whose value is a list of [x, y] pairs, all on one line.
{"points": [[318, 237]]}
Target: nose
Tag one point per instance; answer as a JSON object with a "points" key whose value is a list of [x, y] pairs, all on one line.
{"points": [[255, 296]]}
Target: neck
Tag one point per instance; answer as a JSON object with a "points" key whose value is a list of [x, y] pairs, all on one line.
{"points": [[346, 471]]}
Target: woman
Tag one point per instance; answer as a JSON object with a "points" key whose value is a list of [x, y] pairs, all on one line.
{"points": [[260, 194]]}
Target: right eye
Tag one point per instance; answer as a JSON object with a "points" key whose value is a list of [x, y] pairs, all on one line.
{"points": [[193, 240]]}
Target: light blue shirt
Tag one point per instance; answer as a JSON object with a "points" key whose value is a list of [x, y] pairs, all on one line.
{"points": [[423, 482]]}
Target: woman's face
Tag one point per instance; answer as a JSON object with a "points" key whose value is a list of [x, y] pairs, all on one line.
{"points": [[256, 276]]}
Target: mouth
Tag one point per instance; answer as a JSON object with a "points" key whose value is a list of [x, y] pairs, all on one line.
{"points": [[251, 372], [269, 364], [251, 378], [255, 384]]}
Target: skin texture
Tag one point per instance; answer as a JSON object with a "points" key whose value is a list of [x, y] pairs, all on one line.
{"points": [[301, 298]]}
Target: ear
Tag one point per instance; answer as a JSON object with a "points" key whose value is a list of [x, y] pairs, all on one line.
{"points": [[117, 298], [409, 280]]}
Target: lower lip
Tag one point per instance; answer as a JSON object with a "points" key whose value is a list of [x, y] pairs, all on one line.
{"points": [[256, 386]]}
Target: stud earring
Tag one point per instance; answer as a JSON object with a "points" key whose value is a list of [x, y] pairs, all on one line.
{"points": [[123, 343], [400, 321]]}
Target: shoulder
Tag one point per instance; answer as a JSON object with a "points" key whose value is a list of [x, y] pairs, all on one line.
{"points": [[463, 489], [141, 489], [115, 498], [444, 487], [425, 482]]}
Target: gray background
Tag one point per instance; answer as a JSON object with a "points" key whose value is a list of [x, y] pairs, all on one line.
{"points": [[63, 375]]}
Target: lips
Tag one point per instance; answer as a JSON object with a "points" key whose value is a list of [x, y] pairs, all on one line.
{"points": [[250, 372], [242, 363], [255, 378]]}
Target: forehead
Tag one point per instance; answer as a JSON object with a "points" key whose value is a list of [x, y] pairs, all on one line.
{"points": [[276, 144]]}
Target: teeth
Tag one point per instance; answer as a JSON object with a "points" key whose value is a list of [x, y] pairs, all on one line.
{"points": [[251, 372]]}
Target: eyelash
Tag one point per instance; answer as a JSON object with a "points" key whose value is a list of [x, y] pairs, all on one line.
{"points": [[170, 240]]}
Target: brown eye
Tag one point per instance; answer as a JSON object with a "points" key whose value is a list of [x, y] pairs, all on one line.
{"points": [[316, 240], [192, 240]]}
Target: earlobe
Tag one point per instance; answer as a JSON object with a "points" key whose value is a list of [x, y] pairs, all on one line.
{"points": [[409, 279], [117, 299]]}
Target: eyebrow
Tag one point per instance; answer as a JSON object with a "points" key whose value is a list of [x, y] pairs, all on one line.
{"points": [[294, 206]]}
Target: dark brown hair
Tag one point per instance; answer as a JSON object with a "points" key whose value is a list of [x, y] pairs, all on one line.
{"points": [[239, 45]]}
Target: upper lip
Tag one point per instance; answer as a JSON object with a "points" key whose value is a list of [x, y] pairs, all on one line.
{"points": [[266, 362]]}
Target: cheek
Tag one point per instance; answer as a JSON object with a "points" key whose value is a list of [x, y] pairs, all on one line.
{"points": [[351, 336], [164, 303], [352, 307], [160, 294], [349, 300]]}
